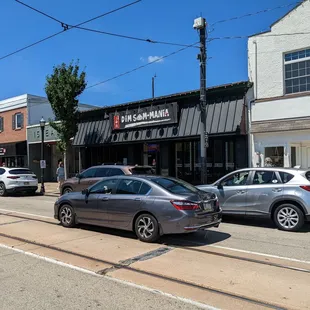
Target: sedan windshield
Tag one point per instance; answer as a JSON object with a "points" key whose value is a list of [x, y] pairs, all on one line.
{"points": [[175, 186]]}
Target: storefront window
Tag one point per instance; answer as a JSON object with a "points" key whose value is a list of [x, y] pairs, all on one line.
{"points": [[187, 160], [218, 170], [197, 162], [229, 154], [274, 156], [179, 160]]}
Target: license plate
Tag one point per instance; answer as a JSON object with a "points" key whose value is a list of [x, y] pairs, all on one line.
{"points": [[26, 183], [207, 206]]}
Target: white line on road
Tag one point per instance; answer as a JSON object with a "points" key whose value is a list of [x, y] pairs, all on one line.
{"points": [[243, 251], [141, 287], [12, 211], [261, 254]]}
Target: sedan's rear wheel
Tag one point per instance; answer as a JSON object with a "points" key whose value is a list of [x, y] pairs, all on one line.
{"points": [[67, 216], [3, 191], [146, 228], [289, 217]]}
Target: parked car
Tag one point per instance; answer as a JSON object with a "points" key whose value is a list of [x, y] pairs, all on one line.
{"points": [[16, 180], [92, 175], [148, 205], [277, 193]]}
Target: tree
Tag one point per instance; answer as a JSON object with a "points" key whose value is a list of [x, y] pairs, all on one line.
{"points": [[63, 87]]}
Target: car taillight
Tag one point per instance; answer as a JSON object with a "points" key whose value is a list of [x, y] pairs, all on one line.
{"points": [[13, 177], [185, 205], [306, 187]]}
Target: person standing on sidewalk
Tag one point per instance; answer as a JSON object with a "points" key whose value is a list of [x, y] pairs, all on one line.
{"points": [[60, 173]]}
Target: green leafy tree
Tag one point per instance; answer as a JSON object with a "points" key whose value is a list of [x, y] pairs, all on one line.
{"points": [[63, 87]]}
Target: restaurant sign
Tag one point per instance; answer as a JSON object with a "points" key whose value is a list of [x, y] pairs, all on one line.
{"points": [[145, 117]]}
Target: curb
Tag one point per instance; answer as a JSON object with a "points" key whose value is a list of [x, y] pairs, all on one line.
{"points": [[48, 194]]}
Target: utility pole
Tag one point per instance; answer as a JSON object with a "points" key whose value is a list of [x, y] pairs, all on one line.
{"points": [[153, 86], [200, 24]]}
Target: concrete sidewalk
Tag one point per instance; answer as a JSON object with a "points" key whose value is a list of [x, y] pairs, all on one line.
{"points": [[51, 189]]}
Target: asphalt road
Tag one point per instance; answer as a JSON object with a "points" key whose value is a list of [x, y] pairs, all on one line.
{"points": [[31, 283], [248, 235]]}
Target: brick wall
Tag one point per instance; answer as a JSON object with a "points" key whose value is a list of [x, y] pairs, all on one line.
{"points": [[9, 134]]}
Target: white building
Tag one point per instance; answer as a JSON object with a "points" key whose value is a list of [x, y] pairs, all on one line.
{"points": [[279, 67]]}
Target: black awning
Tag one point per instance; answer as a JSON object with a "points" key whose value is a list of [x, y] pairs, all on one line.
{"points": [[223, 117]]}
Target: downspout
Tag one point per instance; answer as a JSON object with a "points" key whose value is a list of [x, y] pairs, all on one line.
{"points": [[250, 140], [255, 95], [249, 106]]}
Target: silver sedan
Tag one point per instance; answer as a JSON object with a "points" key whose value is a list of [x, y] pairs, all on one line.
{"points": [[150, 206], [277, 193]]}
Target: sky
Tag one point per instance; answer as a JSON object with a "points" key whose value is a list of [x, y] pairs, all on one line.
{"points": [[104, 57]]}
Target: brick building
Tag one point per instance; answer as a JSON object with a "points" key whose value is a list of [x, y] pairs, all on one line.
{"points": [[19, 118], [13, 122]]}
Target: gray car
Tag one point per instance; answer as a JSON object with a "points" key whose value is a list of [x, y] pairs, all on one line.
{"points": [[150, 206], [277, 193]]}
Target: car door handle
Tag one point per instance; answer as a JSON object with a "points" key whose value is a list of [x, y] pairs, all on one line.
{"points": [[105, 198], [138, 199], [276, 190], [241, 192]]}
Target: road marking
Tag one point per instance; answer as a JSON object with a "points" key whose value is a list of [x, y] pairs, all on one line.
{"points": [[12, 211], [261, 254], [242, 251], [137, 286]]}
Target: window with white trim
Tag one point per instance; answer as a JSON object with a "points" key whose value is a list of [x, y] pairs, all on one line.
{"points": [[18, 120], [297, 72]]}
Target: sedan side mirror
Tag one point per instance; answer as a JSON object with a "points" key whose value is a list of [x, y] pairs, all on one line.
{"points": [[85, 192], [78, 176], [220, 186]]}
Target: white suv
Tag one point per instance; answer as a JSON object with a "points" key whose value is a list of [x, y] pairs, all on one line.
{"points": [[16, 180]]}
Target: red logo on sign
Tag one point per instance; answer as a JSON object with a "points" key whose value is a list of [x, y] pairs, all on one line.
{"points": [[116, 122]]}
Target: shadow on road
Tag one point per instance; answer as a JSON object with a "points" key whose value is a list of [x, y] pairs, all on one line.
{"points": [[199, 238], [259, 222]]}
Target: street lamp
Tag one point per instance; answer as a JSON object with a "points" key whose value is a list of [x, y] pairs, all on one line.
{"points": [[42, 164]]}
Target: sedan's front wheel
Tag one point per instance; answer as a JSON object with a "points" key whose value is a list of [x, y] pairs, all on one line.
{"points": [[289, 217], [146, 228], [67, 216]]}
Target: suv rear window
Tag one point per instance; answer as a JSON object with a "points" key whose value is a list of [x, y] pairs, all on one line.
{"points": [[20, 171], [142, 170], [285, 177], [175, 186]]}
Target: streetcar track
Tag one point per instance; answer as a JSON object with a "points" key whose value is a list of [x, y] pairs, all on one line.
{"points": [[204, 251], [149, 273]]}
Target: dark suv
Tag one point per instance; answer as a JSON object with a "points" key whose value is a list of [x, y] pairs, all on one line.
{"points": [[93, 174]]}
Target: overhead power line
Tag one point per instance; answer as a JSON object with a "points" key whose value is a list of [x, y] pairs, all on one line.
{"points": [[65, 28], [256, 13], [142, 66], [132, 38]]}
